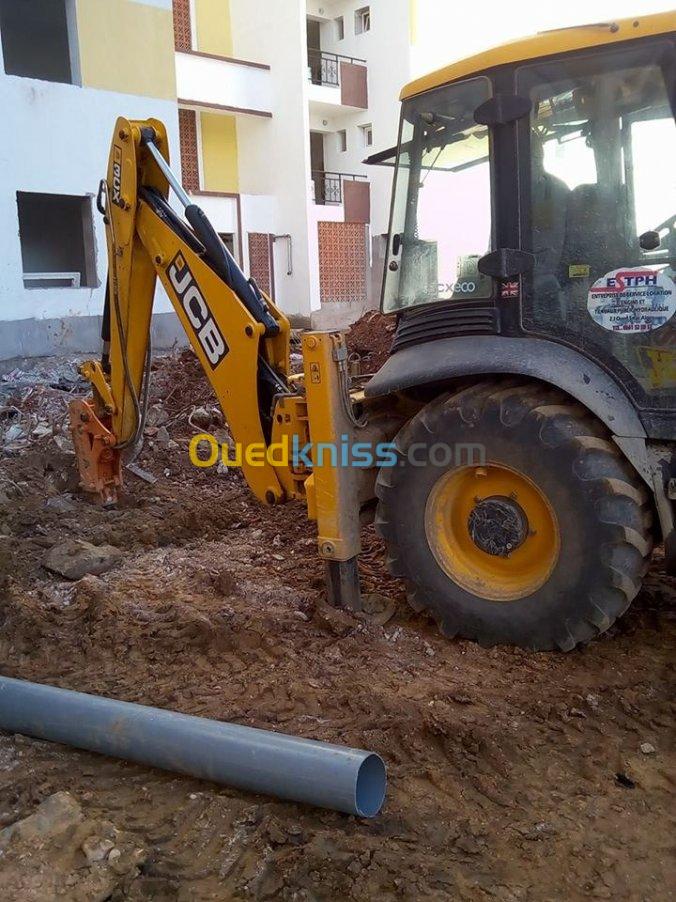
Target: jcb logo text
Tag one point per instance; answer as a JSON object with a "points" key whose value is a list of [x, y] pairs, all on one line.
{"points": [[117, 177], [197, 310]]}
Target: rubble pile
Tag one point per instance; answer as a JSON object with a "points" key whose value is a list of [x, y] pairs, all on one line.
{"points": [[34, 404]]}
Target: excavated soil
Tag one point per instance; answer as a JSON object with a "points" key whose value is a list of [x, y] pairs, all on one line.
{"points": [[512, 776], [371, 339]]}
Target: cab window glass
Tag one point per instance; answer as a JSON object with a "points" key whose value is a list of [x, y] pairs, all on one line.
{"points": [[441, 212], [603, 199], [653, 188]]}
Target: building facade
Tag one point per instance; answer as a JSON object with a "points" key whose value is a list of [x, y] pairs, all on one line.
{"points": [[280, 103], [68, 68], [271, 107]]}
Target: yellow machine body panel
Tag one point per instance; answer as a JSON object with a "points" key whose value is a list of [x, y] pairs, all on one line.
{"points": [[549, 43]]}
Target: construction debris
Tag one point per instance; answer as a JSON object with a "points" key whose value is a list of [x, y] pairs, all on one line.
{"points": [[55, 815], [33, 403], [57, 852], [75, 558]]}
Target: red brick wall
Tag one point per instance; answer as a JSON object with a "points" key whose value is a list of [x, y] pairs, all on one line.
{"points": [[182, 35], [343, 261], [187, 130], [260, 262]]}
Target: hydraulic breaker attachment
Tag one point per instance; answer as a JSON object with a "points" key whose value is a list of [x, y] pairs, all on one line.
{"points": [[97, 456]]}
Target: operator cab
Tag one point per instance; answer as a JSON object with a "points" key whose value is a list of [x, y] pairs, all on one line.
{"points": [[538, 197]]}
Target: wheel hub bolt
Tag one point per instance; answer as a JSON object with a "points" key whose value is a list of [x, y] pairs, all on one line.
{"points": [[498, 525]]}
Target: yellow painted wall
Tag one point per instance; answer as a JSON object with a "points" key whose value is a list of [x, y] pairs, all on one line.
{"points": [[214, 33], [126, 47], [413, 21], [219, 153]]}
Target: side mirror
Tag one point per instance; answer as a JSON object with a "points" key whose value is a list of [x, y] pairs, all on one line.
{"points": [[649, 241]]}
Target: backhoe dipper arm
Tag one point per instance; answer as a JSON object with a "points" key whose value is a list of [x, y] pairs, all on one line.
{"points": [[240, 337]]}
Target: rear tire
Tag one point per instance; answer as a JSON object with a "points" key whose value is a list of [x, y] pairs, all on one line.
{"points": [[551, 563]]}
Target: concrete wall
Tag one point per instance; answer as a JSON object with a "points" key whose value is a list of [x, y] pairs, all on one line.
{"points": [[388, 54], [274, 155], [386, 48], [223, 82], [57, 139], [126, 46]]}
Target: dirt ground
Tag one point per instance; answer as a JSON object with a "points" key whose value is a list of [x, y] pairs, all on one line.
{"points": [[512, 776]]}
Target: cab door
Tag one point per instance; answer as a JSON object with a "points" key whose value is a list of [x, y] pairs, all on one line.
{"points": [[599, 202]]}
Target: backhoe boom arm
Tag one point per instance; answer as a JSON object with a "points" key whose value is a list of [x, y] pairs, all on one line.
{"points": [[238, 334]]}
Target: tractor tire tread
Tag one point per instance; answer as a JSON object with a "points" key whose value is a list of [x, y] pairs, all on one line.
{"points": [[597, 463]]}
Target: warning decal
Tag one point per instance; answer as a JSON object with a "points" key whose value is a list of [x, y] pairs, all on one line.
{"points": [[632, 300]]}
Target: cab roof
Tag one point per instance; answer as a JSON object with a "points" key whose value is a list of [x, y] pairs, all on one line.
{"points": [[547, 43]]}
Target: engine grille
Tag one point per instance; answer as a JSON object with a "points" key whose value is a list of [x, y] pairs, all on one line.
{"points": [[445, 322]]}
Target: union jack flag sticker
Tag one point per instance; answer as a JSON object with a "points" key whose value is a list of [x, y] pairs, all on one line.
{"points": [[509, 290]]}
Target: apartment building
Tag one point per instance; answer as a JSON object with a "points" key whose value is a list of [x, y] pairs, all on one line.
{"points": [[68, 68], [279, 104], [271, 107], [366, 51]]}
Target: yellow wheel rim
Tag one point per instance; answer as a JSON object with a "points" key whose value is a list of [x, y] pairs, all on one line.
{"points": [[492, 531]]}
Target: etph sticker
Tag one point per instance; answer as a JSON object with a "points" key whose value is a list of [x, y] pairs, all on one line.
{"points": [[632, 300]]}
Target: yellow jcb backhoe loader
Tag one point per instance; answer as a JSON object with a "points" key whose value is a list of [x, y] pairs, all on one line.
{"points": [[527, 409]]}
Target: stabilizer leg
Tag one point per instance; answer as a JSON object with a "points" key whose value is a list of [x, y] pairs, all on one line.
{"points": [[333, 487], [342, 584]]}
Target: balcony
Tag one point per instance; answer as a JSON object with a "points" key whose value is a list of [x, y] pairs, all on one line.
{"points": [[220, 84], [337, 81], [351, 190]]}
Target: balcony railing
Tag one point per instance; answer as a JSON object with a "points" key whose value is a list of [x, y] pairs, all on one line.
{"points": [[325, 67], [329, 185]]}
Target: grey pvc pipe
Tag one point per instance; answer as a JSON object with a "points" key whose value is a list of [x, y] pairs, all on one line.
{"points": [[302, 770]]}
